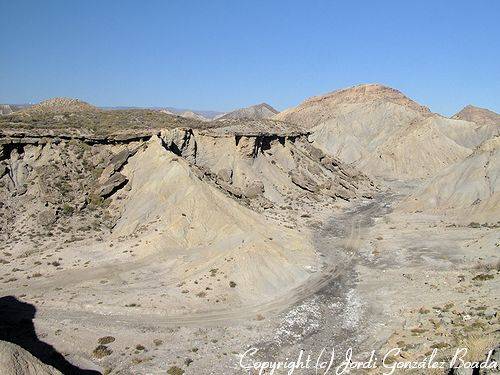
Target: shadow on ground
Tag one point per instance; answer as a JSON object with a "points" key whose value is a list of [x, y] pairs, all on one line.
{"points": [[16, 326]]}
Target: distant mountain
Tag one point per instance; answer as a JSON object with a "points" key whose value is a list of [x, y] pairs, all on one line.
{"points": [[207, 115], [192, 115], [481, 116], [255, 112], [7, 109], [210, 115]]}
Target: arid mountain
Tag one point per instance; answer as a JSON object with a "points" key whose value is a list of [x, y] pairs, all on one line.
{"points": [[469, 189], [60, 105], [385, 133], [192, 115], [259, 111], [481, 116], [318, 109]]}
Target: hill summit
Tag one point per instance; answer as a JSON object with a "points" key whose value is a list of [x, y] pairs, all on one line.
{"points": [[255, 112], [481, 116], [316, 109], [61, 105]]}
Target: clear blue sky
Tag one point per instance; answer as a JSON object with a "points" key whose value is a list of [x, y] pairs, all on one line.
{"points": [[221, 55]]}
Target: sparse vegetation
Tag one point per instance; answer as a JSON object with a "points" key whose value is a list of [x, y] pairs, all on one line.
{"points": [[101, 351], [106, 340], [174, 370], [483, 277]]}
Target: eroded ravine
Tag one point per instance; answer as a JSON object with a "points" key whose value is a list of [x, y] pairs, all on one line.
{"points": [[335, 314]]}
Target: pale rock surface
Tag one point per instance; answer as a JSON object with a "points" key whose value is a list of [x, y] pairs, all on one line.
{"points": [[469, 189], [14, 360], [207, 225]]}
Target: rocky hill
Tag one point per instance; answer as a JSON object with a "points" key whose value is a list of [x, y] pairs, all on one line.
{"points": [[60, 105], [469, 189], [259, 111], [478, 115], [385, 133]]}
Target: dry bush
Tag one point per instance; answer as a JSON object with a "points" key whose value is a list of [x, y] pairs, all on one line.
{"points": [[478, 346]]}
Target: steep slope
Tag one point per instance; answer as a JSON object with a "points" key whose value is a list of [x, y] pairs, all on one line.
{"points": [[266, 165], [417, 150], [259, 111], [178, 213], [469, 189], [478, 115], [385, 133]]}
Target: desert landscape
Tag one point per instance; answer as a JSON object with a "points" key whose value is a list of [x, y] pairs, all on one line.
{"points": [[143, 241]]}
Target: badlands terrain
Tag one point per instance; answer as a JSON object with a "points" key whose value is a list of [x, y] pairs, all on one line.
{"points": [[139, 241]]}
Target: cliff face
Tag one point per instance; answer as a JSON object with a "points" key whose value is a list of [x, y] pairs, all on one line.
{"points": [[73, 168]]}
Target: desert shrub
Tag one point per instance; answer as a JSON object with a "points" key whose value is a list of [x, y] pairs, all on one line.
{"points": [[101, 351], [67, 209]]}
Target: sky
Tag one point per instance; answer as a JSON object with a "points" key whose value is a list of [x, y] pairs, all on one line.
{"points": [[222, 55]]}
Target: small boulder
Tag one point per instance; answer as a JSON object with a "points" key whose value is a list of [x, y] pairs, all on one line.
{"points": [[114, 183], [225, 175], [303, 181], [253, 189]]}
